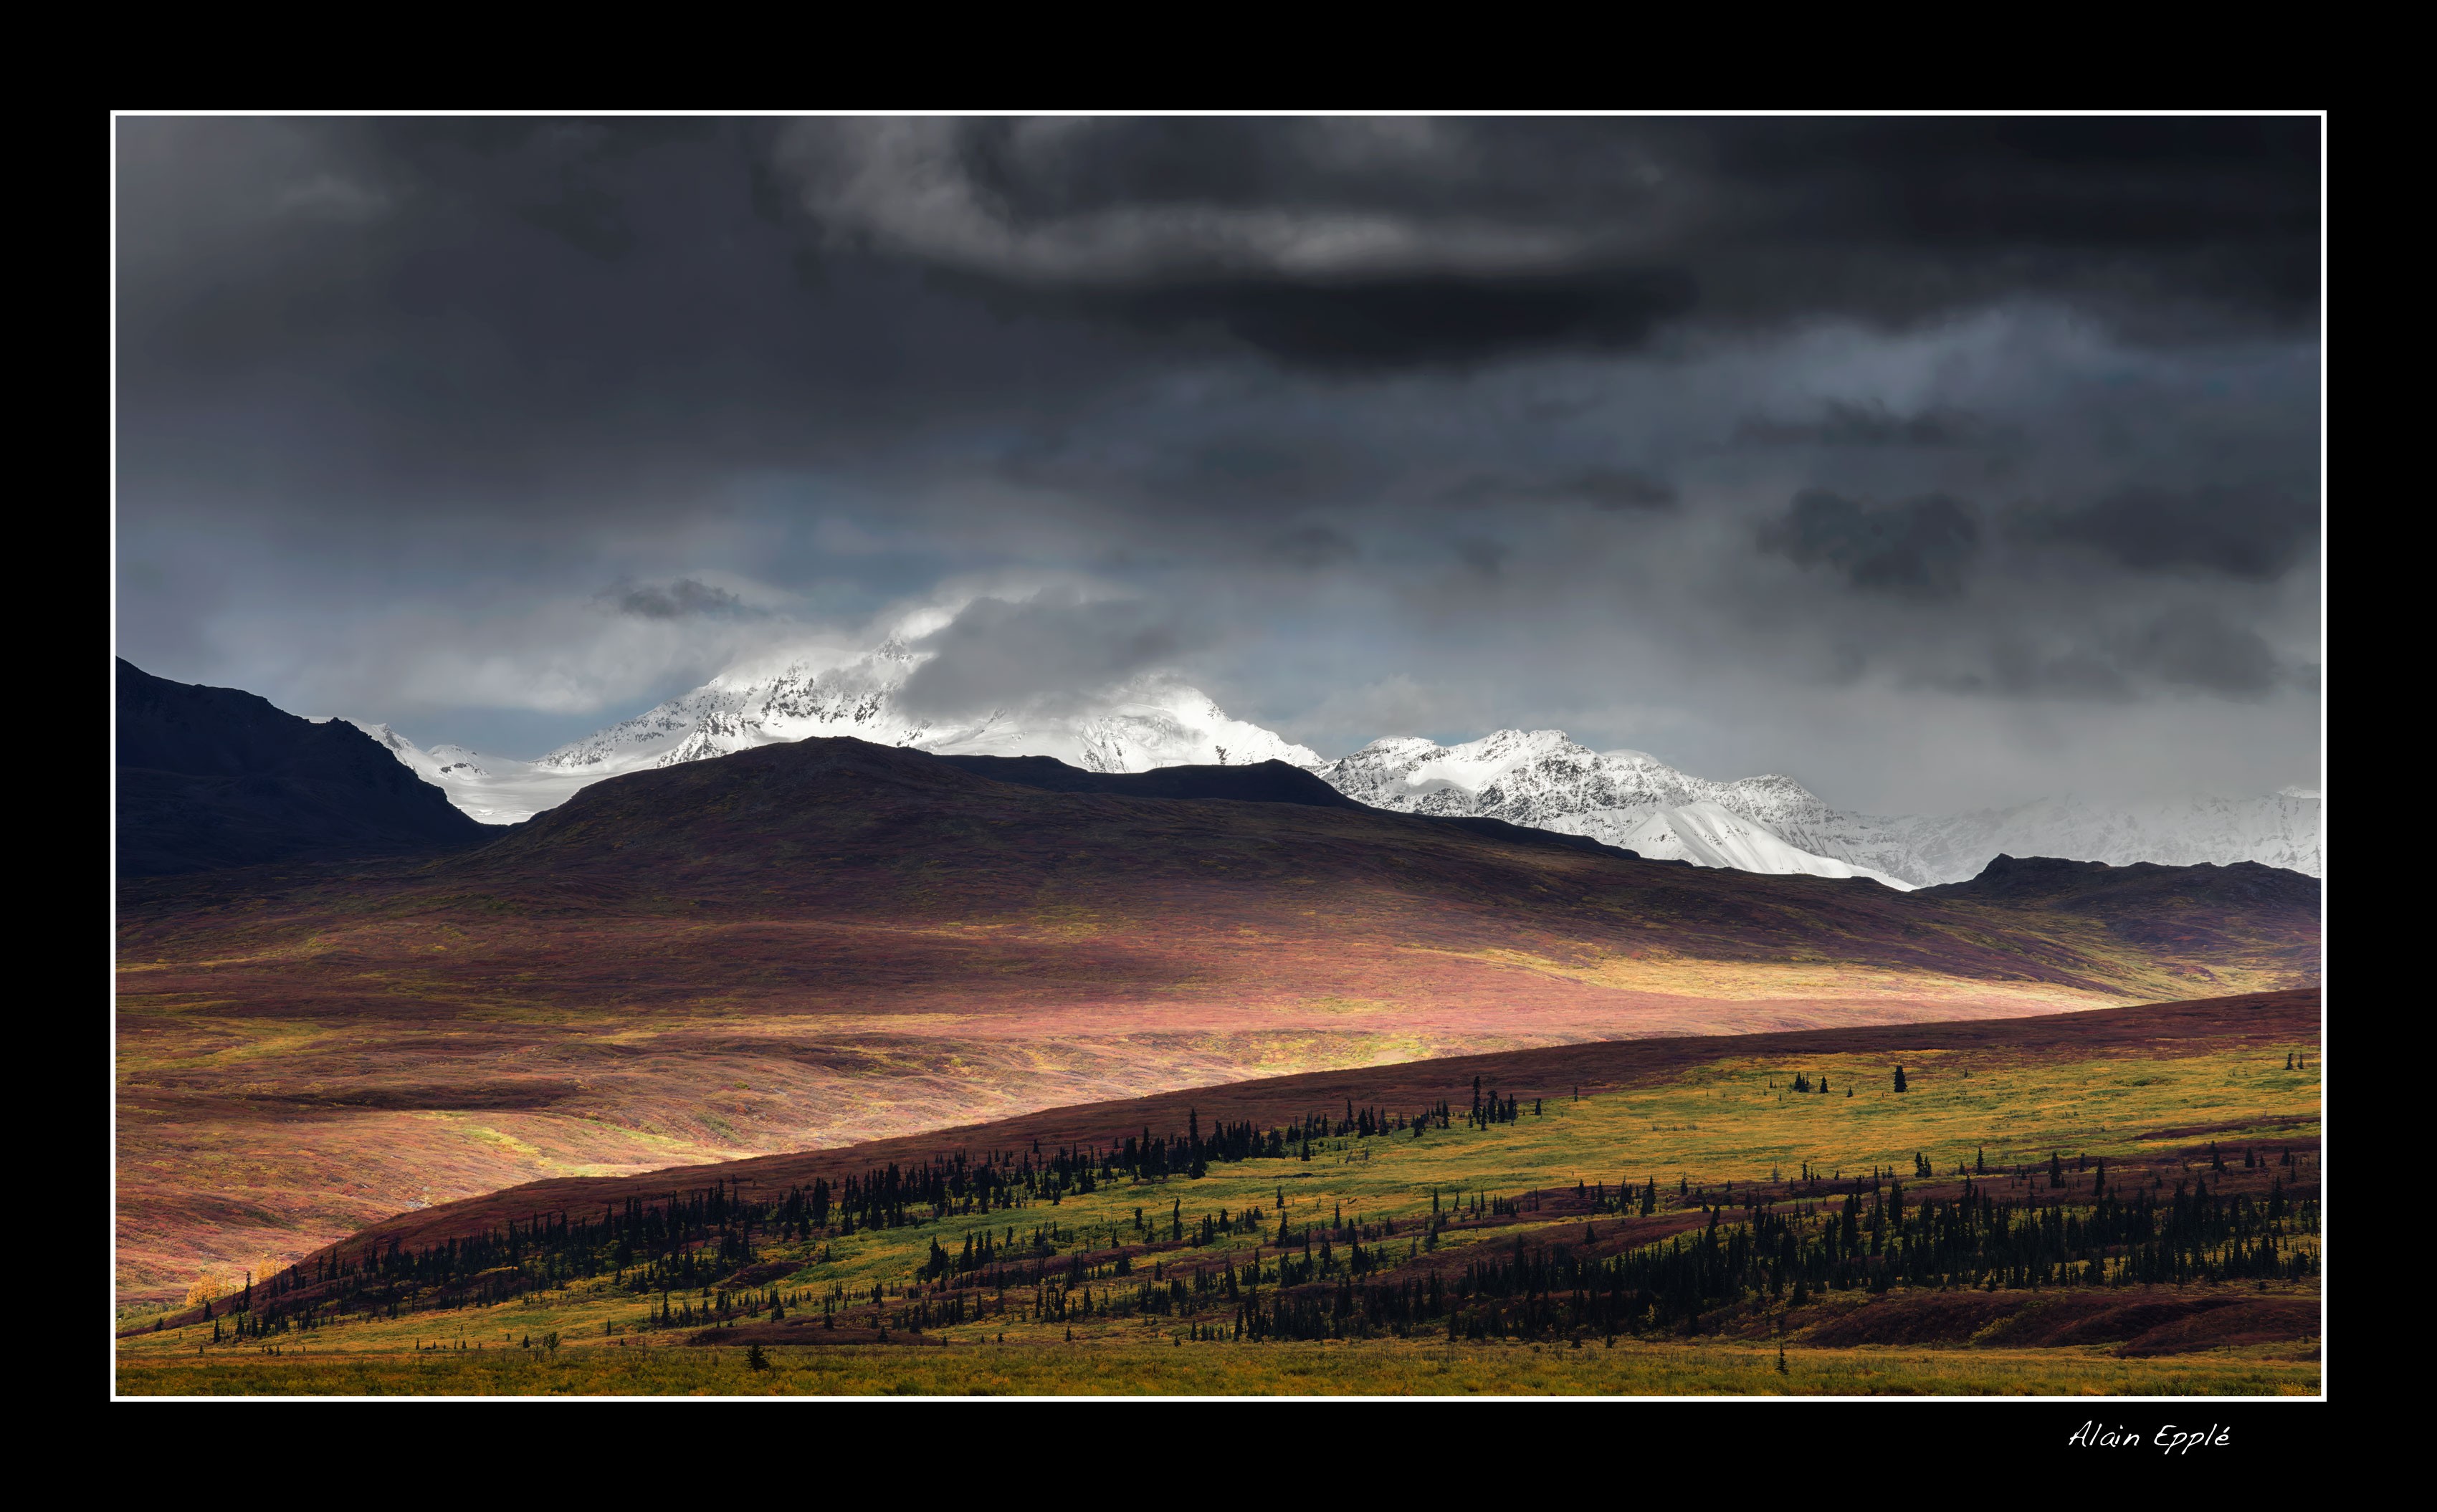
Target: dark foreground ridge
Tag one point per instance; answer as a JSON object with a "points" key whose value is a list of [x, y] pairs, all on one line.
{"points": [[213, 778], [2182, 908], [2095, 887], [1261, 782]]}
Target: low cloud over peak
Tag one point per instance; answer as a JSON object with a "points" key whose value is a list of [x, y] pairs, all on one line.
{"points": [[1052, 648]]}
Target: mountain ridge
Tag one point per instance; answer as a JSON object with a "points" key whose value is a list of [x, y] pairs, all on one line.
{"points": [[213, 778], [1543, 779]]}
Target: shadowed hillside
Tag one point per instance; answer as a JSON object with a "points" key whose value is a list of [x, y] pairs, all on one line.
{"points": [[212, 777], [848, 827], [1262, 782], [2244, 914]]}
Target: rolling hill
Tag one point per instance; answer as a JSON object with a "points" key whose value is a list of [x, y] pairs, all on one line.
{"points": [[2184, 1027], [2118, 1201], [809, 945]]}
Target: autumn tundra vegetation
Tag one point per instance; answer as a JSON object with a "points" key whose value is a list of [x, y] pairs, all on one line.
{"points": [[2125, 1199]]}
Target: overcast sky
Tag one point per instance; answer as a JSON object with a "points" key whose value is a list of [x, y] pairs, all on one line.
{"points": [[1932, 463]]}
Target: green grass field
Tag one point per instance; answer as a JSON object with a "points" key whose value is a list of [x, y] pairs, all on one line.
{"points": [[2148, 1115]]}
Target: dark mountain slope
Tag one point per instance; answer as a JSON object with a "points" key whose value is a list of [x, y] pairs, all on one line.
{"points": [[211, 777], [2097, 888], [2246, 914], [839, 829], [1267, 782]]}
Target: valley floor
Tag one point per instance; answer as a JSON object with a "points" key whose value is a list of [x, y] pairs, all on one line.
{"points": [[2123, 1203]]}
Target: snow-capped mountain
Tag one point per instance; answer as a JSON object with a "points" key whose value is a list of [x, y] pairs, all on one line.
{"points": [[1151, 722], [1537, 778], [1628, 798], [1708, 834], [1543, 778]]}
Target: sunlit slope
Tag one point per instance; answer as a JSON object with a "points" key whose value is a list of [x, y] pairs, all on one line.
{"points": [[2141, 1187], [810, 944]]}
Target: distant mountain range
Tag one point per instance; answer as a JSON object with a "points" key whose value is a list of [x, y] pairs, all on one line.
{"points": [[1773, 824], [1539, 779], [212, 777], [1139, 726]]}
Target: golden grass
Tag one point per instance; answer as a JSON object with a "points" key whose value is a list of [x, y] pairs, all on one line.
{"points": [[1712, 1123]]}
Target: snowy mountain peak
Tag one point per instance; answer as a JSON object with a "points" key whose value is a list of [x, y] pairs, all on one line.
{"points": [[1774, 824], [1548, 779], [1708, 834], [1543, 778], [1528, 777], [1149, 722]]}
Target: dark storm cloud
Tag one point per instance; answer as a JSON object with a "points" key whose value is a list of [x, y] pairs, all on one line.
{"points": [[1867, 425], [1918, 548], [1380, 322], [518, 322], [2015, 670], [998, 654], [2186, 650], [1353, 245], [2249, 533], [2197, 647], [1313, 546], [681, 599], [1485, 557], [1609, 490], [1400, 423], [545, 317]]}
